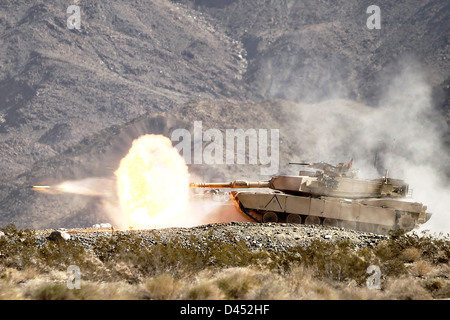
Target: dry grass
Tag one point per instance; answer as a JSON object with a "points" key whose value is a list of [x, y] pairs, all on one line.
{"points": [[233, 283], [411, 254], [163, 287], [204, 288], [406, 288], [411, 267]]}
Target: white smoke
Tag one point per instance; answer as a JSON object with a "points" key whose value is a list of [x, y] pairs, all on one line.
{"points": [[88, 187]]}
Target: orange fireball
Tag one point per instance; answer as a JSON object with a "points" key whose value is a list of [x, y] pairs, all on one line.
{"points": [[152, 183]]}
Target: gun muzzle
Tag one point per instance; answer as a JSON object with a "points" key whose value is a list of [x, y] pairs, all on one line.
{"points": [[44, 189], [38, 188]]}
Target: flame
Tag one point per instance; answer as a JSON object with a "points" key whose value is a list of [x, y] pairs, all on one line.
{"points": [[152, 183], [43, 189], [86, 187]]}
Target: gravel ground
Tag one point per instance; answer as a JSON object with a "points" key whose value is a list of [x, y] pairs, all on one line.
{"points": [[271, 236]]}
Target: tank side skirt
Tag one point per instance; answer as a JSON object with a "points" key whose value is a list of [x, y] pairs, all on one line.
{"points": [[324, 207]]}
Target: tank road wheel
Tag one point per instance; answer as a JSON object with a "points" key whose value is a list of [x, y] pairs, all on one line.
{"points": [[294, 218], [349, 224], [366, 227], [406, 222], [312, 220], [270, 216], [381, 229], [330, 222]]}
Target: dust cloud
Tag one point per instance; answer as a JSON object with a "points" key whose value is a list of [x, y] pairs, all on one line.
{"points": [[402, 134]]}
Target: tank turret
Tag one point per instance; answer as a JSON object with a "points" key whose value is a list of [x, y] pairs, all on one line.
{"points": [[343, 169]]}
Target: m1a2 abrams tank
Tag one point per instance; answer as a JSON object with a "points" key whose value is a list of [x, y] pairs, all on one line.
{"points": [[330, 195]]}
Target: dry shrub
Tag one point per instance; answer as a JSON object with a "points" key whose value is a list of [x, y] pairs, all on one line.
{"points": [[351, 292], [405, 288], [162, 287], [52, 291], [41, 290], [105, 291], [9, 291], [272, 287], [410, 254], [236, 282], [438, 287], [338, 261], [239, 283], [18, 276], [204, 289], [421, 268], [303, 285]]}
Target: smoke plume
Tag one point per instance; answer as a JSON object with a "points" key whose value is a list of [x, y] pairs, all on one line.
{"points": [[403, 135]]}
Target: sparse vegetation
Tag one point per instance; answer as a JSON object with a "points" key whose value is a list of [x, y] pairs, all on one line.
{"points": [[128, 266]]}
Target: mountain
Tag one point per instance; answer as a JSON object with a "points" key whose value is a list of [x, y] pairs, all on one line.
{"points": [[58, 85]]}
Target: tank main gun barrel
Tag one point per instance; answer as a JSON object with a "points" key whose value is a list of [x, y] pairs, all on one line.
{"points": [[232, 185]]}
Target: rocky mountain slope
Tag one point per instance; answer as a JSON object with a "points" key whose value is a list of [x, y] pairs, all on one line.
{"points": [[59, 85], [307, 50], [71, 101]]}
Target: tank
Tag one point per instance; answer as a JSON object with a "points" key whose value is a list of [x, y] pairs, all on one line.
{"points": [[328, 195]]}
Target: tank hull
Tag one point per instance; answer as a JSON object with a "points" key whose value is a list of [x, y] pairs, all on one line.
{"points": [[378, 215]]}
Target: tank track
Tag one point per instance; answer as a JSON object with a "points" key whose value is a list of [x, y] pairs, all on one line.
{"points": [[258, 216]]}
